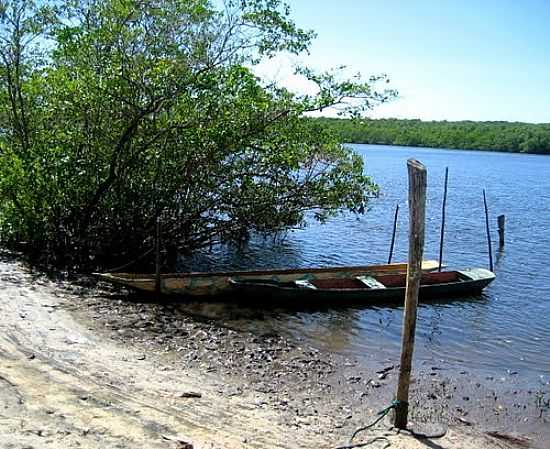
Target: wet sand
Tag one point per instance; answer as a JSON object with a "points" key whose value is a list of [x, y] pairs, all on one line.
{"points": [[85, 365]]}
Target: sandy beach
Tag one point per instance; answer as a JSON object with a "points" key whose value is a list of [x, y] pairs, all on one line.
{"points": [[84, 365]]}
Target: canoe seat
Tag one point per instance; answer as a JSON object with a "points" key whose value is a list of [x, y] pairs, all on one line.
{"points": [[370, 282], [304, 283]]}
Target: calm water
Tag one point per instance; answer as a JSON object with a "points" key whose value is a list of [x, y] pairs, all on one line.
{"points": [[506, 329]]}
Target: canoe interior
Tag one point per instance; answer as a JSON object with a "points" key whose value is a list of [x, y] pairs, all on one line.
{"points": [[388, 280], [364, 289], [218, 283], [427, 265]]}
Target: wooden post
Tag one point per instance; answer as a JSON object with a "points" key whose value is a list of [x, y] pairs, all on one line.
{"points": [[488, 232], [394, 231], [417, 216], [501, 223], [157, 259], [443, 218]]}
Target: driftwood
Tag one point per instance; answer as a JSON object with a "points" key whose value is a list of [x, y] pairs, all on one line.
{"points": [[501, 220], [394, 232], [189, 394], [490, 247], [180, 442], [443, 207], [417, 216], [515, 439]]}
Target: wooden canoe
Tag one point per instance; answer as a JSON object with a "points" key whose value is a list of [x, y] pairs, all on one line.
{"points": [[365, 289], [218, 283]]}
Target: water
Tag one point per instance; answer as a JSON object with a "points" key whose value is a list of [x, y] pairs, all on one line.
{"points": [[505, 330]]}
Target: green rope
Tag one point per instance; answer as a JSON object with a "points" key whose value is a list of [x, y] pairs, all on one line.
{"points": [[382, 414], [366, 443]]}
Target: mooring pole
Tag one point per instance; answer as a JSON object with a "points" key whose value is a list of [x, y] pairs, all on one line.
{"points": [[157, 259], [417, 216], [443, 218], [488, 232], [501, 224], [394, 232]]}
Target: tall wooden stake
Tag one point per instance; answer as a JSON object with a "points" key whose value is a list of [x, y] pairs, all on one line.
{"points": [[394, 232], [417, 216], [501, 219], [157, 259], [443, 218], [488, 232]]}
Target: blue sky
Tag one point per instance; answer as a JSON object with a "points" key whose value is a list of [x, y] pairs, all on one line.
{"points": [[450, 60]]}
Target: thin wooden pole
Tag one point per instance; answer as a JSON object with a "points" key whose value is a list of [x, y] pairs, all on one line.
{"points": [[417, 218], [157, 259], [490, 246], [501, 225], [394, 232], [443, 218]]}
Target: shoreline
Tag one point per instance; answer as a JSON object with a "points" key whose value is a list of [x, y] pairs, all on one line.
{"points": [[255, 390], [424, 147]]}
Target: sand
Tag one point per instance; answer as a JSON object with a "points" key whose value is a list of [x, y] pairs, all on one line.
{"points": [[87, 367]]}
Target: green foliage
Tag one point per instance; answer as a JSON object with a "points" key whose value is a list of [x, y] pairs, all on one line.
{"points": [[493, 136], [116, 113]]}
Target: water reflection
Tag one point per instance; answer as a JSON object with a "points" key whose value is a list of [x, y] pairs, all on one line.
{"points": [[261, 252]]}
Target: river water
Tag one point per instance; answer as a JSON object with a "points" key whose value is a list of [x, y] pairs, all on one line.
{"points": [[505, 331]]}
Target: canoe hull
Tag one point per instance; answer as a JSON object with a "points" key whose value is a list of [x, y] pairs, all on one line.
{"points": [[472, 283], [218, 283]]}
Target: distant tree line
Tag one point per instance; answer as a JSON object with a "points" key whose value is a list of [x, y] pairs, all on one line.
{"points": [[493, 136]]}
